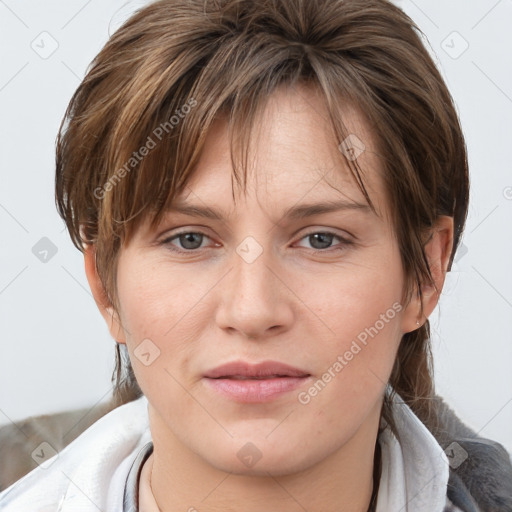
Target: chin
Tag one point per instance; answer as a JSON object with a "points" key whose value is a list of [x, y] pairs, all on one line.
{"points": [[260, 457]]}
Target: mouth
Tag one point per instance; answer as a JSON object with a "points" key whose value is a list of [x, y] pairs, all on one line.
{"points": [[255, 383]]}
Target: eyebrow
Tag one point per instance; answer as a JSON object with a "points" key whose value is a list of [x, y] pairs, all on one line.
{"points": [[294, 212]]}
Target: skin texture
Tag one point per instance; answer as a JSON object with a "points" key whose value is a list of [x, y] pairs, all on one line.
{"points": [[302, 301]]}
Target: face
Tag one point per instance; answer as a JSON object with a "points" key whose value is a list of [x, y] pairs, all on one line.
{"points": [[303, 306]]}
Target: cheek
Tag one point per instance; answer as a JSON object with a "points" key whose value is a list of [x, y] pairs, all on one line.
{"points": [[353, 363], [349, 299], [358, 311], [155, 298], [160, 311]]}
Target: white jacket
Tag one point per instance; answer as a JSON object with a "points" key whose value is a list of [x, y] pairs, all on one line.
{"points": [[90, 473]]}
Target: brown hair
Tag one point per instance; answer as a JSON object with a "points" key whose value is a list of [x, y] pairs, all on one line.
{"points": [[176, 65]]}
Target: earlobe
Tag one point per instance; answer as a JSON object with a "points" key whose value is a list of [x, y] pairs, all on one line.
{"points": [[100, 296], [438, 249]]}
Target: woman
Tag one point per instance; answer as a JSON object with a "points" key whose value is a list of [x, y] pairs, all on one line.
{"points": [[268, 196]]}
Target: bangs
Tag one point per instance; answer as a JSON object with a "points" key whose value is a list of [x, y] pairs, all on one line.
{"points": [[158, 137]]}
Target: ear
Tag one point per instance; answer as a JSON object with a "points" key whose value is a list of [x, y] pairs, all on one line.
{"points": [[101, 297], [437, 250]]}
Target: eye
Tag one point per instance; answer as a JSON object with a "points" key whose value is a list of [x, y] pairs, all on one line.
{"points": [[321, 240], [188, 240]]}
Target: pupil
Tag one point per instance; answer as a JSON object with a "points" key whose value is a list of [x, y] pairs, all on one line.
{"points": [[188, 239], [327, 239]]}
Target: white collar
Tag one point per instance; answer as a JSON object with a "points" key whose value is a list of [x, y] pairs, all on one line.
{"points": [[415, 471], [89, 474]]}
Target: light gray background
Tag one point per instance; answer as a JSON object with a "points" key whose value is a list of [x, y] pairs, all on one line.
{"points": [[56, 352]]}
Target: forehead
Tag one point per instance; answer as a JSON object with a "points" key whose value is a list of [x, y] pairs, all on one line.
{"points": [[293, 155]]}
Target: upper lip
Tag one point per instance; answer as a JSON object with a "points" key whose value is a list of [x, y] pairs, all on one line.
{"points": [[258, 370]]}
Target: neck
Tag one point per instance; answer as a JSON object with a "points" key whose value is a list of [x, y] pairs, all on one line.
{"points": [[182, 481]]}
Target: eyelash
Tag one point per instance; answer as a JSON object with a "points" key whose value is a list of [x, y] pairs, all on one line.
{"points": [[344, 241]]}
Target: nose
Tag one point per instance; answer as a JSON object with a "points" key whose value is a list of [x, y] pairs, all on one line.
{"points": [[255, 300]]}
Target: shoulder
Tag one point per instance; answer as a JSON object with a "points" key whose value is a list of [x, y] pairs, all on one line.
{"points": [[449, 462], [90, 472], [23, 443], [480, 469]]}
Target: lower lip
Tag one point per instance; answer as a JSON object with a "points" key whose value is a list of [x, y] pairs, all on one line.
{"points": [[255, 390]]}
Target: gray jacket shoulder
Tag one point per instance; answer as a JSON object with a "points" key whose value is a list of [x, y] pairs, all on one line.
{"points": [[480, 469]]}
